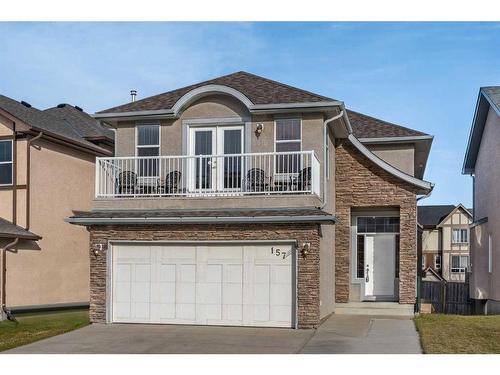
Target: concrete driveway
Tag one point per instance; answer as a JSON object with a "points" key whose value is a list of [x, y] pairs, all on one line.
{"points": [[338, 334]]}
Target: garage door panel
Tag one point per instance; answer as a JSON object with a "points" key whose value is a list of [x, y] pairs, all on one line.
{"points": [[206, 284], [168, 273], [185, 311], [187, 273], [233, 273]]}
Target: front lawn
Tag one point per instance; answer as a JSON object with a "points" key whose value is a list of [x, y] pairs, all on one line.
{"points": [[35, 327], [450, 334]]}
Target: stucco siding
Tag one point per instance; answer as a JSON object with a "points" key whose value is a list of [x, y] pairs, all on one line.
{"points": [[55, 270], [485, 285], [400, 156]]}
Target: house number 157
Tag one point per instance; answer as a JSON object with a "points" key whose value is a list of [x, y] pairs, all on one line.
{"points": [[278, 252]]}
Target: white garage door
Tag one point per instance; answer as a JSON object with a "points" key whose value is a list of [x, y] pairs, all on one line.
{"points": [[214, 284]]}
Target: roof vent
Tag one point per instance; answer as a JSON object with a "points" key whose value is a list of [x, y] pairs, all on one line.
{"points": [[79, 108], [62, 105], [133, 94], [26, 104]]}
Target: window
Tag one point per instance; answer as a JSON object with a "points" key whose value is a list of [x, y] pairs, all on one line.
{"points": [[437, 262], [423, 262], [360, 257], [490, 255], [459, 263], [460, 236], [288, 138], [148, 144], [6, 162], [378, 224]]}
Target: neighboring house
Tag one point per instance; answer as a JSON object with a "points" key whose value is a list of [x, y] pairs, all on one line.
{"points": [[482, 162], [445, 241], [245, 201], [47, 170]]}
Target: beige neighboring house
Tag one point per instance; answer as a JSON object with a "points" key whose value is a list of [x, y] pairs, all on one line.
{"points": [[47, 170], [482, 162], [247, 202], [445, 241]]}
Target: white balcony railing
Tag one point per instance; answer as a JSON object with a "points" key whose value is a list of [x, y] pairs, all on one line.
{"points": [[208, 175]]}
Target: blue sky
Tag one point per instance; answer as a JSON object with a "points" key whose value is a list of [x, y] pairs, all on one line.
{"points": [[422, 75]]}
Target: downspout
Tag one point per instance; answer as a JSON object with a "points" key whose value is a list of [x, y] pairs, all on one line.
{"points": [[14, 174], [28, 174], [4, 310], [325, 140]]}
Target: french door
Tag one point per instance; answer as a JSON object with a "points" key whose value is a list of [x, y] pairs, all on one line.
{"points": [[218, 165]]}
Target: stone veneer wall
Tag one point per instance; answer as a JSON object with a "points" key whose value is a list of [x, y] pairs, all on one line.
{"points": [[360, 183], [308, 268]]}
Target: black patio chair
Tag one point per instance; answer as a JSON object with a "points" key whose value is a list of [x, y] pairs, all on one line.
{"points": [[126, 182], [256, 180], [302, 182], [171, 183]]}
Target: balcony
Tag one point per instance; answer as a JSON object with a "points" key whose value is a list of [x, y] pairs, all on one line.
{"points": [[228, 175]]}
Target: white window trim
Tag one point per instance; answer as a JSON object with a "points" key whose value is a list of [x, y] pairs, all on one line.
{"points": [[288, 141], [137, 146], [436, 263], [460, 239], [9, 162], [459, 269]]}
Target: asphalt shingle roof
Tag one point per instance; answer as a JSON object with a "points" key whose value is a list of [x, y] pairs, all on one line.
{"points": [[10, 230], [70, 128], [493, 93], [258, 89], [433, 215], [364, 126], [82, 122]]}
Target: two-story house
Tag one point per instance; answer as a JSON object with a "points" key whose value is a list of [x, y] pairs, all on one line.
{"points": [[46, 170], [445, 241], [245, 201], [482, 161]]}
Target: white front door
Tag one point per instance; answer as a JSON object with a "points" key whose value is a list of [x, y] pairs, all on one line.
{"points": [[379, 266], [207, 284], [216, 173]]}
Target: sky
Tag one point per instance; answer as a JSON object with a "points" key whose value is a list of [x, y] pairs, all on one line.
{"points": [[425, 76]]}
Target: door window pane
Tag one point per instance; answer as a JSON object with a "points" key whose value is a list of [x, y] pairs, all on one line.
{"points": [[360, 257], [378, 224], [203, 146], [232, 164]]}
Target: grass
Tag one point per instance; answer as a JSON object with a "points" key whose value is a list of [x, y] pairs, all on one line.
{"points": [[453, 334], [34, 327]]}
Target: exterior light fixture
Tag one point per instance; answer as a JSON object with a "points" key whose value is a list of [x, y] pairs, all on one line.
{"points": [[306, 246], [259, 129], [98, 251]]}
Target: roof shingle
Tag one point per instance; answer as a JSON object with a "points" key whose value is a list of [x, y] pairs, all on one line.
{"points": [[258, 89], [365, 126], [71, 127]]}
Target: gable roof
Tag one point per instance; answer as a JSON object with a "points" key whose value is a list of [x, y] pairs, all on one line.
{"points": [[365, 126], [10, 230], [67, 128], [431, 216], [487, 97], [258, 90], [82, 122]]}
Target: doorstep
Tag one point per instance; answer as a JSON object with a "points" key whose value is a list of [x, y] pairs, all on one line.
{"points": [[375, 309]]}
